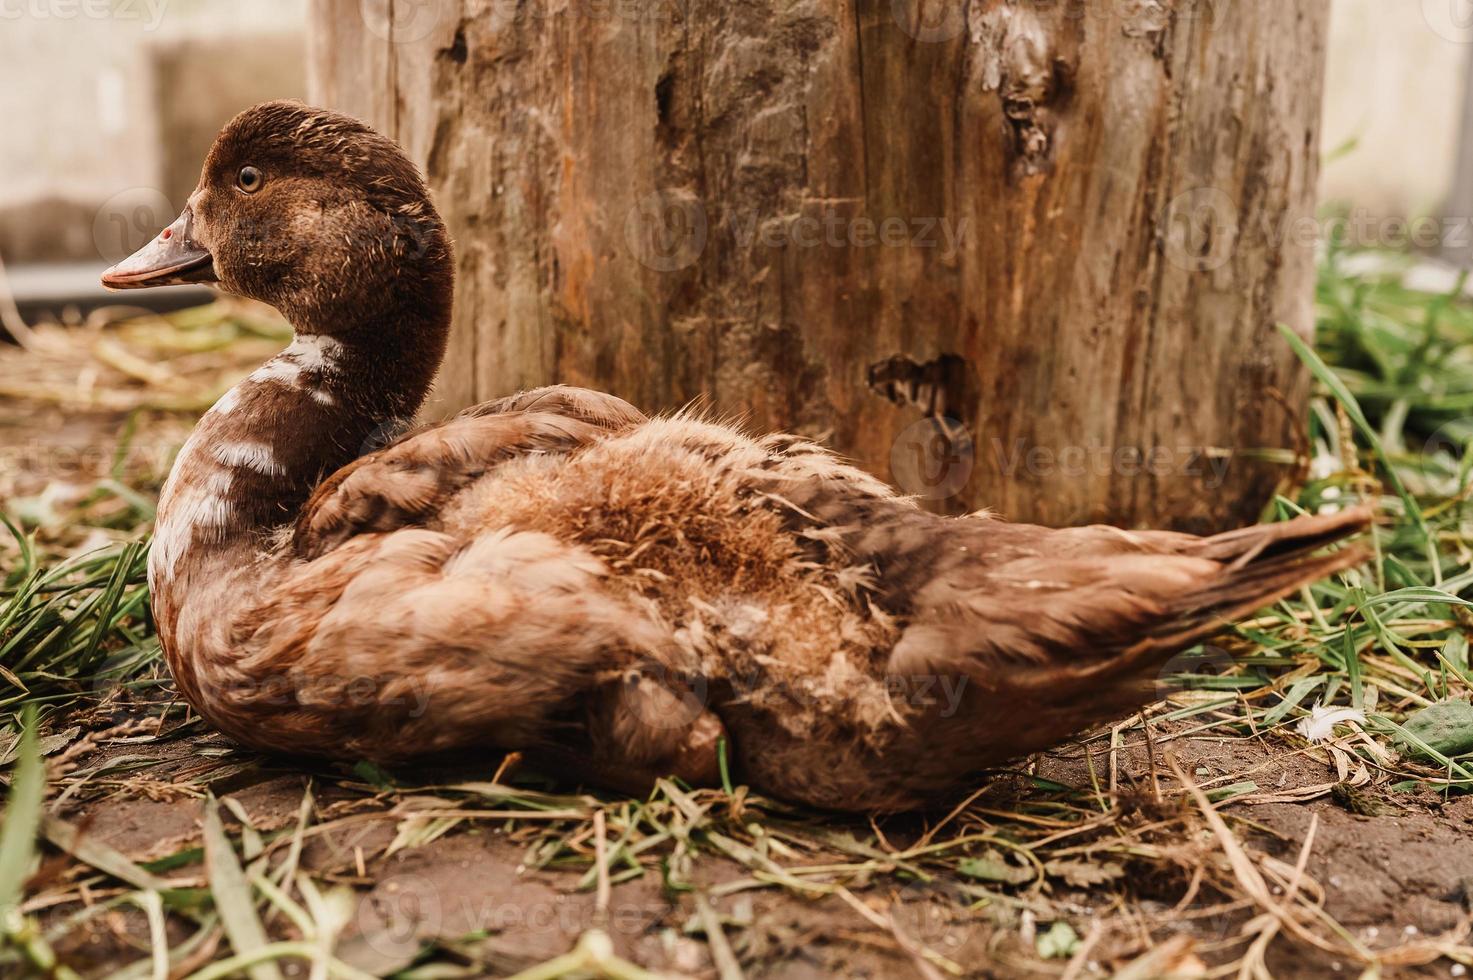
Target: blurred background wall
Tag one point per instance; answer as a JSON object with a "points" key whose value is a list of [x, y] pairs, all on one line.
{"points": [[109, 105], [1394, 97]]}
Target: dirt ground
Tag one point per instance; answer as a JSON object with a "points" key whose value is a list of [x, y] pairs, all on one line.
{"points": [[1402, 874]]}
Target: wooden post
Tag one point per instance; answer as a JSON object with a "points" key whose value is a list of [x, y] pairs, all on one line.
{"points": [[1067, 227]]}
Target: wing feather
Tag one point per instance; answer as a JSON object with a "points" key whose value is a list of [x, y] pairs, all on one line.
{"points": [[407, 483]]}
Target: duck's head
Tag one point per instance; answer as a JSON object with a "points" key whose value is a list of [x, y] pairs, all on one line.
{"points": [[314, 213]]}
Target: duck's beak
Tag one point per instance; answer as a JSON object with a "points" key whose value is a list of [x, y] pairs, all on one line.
{"points": [[173, 258]]}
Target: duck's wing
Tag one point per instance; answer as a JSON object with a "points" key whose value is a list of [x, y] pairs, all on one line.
{"points": [[410, 480], [415, 641], [1042, 613], [1038, 612], [596, 408]]}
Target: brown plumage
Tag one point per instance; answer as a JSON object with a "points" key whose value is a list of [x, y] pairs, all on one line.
{"points": [[557, 572]]}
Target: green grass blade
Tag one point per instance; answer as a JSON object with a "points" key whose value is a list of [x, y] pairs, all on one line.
{"points": [[22, 815], [1418, 596], [1342, 394], [233, 896], [1353, 670]]}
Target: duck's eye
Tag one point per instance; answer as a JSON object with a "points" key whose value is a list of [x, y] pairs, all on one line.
{"points": [[250, 179]]}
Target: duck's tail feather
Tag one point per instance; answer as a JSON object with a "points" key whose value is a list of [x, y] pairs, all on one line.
{"points": [[1263, 565], [1294, 537], [1057, 614], [1081, 627]]}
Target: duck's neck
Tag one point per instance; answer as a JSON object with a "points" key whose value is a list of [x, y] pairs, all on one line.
{"points": [[256, 456]]}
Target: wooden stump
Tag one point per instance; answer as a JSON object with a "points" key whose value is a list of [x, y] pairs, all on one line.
{"points": [[1065, 228]]}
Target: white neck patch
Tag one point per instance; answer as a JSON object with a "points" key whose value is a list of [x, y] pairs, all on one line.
{"points": [[315, 352]]}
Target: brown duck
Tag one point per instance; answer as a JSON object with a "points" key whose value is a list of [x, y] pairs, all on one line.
{"points": [[557, 571]]}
